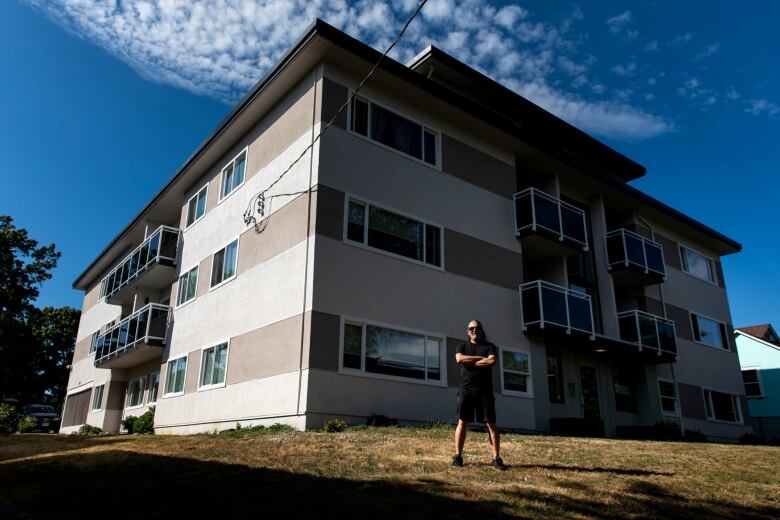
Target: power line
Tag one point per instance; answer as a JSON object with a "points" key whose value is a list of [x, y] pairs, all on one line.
{"points": [[257, 203]]}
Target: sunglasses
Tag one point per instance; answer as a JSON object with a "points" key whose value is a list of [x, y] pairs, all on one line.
{"points": [[475, 329]]}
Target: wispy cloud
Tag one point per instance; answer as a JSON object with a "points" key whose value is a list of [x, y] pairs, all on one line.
{"points": [[220, 48], [652, 46], [683, 38], [624, 70], [711, 49], [760, 107], [617, 22]]}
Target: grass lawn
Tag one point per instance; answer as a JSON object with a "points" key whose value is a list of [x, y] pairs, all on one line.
{"points": [[399, 473]]}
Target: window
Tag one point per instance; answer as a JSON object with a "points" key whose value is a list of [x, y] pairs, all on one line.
{"points": [[625, 393], [515, 372], [555, 378], [709, 332], [223, 264], [721, 406], [389, 352], [196, 206], [154, 385], [233, 175], [752, 379], [97, 398], [697, 264], [213, 366], [397, 234], [174, 381], [93, 341], [188, 284], [402, 134], [135, 393], [668, 394]]}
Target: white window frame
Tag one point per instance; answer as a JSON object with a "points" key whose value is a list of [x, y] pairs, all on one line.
{"points": [[711, 418], [529, 380], [676, 412], [722, 348], [709, 259], [237, 240], [197, 219], [232, 162], [351, 320], [424, 126], [349, 197], [759, 380], [201, 386], [149, 389], [128, 406], [166, 394], [178, 286], [94, 394]]}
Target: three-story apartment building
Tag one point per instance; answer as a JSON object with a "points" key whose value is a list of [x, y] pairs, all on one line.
{"points": [[436, 197]]}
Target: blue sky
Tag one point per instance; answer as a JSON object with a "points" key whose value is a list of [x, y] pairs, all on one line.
{"points": [[102, 101]]}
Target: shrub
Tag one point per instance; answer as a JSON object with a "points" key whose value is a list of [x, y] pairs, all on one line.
{"points": [[245, 431], [694, 436], [7, 418], [88, 429], [334, 425], [26, 424], [280, 428], [381, 421], [145, 423], [128, 423]]}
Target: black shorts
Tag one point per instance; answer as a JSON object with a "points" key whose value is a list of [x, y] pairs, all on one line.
{"points": [[481, 403]]}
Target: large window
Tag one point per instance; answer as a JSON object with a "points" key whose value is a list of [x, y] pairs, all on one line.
{"points": [[625, 392], [721, 406], [389, 352], [97, 398], [135, 393], [196, 206], [174, 380], [668, 394], [752, 379], [233, 175], [188, 285], [397, 132], [709, 332], [223, 264], [555, 378], [515, 372], [213, 366], [397, 234], [697, 264], [154, 386]]}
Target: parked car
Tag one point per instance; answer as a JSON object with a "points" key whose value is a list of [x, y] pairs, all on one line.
{"points": [[45, 416]]}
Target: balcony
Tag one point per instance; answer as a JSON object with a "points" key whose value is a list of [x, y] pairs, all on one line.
{"points": [[550, 309], [134, 340], [547, 225], [634, 259], [151, 265], [649, 333]]}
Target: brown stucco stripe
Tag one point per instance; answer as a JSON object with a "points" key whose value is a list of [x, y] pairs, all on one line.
{"points": [[333, 96], [329, 212], [671, 253], [204, 276], [691, 401], [322, 338], [642, 303], [193, 372], [81, 351], [114, 395], [264, 352], [476, 167], [91, 297], [682, 321], [474, 258], [719, 274]]}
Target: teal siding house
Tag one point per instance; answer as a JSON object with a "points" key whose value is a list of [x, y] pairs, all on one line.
{"points": [[758, 347]]}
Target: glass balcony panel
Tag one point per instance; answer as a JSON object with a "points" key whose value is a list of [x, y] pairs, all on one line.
{"points": [[655, 258], [666, 337], [144, 256], [158, 321], [134, 262], [648, 331], [122, 341], [168, 244], [547, 213], [113, 341], [523, 211], [143, 320], [579, 313], [635, 250], [615, 249], [627, 326], [554, 305], [124, 271], [154, 246], [530, 296], [573, 225], [132, 330]]}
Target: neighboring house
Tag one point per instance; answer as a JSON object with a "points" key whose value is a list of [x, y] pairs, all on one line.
{"points": [[759, 355], [437, 197]]}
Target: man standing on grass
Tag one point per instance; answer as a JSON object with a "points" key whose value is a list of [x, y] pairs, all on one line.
{"points": [[476, 359]]}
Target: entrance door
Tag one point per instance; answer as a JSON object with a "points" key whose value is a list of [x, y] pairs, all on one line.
{"points": [[590, 392]]}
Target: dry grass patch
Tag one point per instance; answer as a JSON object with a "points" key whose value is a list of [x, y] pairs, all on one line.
{"points": [[383, 473]]}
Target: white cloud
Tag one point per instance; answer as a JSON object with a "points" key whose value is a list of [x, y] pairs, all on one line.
{"points": [[711, 49], [758, 107], [632, 35], [732, 95], [220, 48], [624, 70], [617, 22], [652, 46], [683, 38]]}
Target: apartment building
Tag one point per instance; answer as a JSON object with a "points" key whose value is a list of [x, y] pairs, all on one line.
{"points": [[436, 197]]}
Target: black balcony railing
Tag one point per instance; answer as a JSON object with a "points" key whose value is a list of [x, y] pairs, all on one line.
{"points": [[648, 331], [628, 250], [160, 248], [147, 326], [545, 305], [536, 212]]}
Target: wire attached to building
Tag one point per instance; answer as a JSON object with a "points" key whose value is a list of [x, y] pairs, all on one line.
{"points": [[256, 208]]}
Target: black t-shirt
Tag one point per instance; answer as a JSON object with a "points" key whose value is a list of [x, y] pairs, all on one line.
{"points": [[475, 378]]}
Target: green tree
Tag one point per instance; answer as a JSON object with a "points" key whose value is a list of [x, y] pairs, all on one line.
{"points": [[54, 334]]}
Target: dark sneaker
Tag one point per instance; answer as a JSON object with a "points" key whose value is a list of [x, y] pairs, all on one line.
{"points": [[498, 464], [457, 461]]}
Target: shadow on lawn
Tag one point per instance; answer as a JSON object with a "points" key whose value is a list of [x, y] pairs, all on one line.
{"points": [[616, 471], [121, 484]]}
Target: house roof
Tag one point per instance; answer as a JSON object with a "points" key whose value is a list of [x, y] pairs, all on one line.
{"points": [[764, 332]]}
